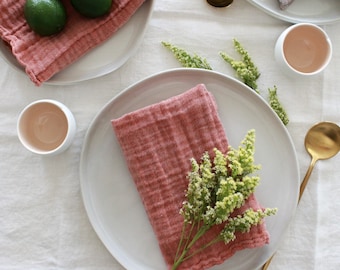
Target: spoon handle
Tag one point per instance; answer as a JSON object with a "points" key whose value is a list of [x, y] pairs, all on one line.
{"points": [[302, 189], [266, 265], [305, 180]]}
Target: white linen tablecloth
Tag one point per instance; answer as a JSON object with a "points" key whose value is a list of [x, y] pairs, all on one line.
{"points": [[43, 222]]}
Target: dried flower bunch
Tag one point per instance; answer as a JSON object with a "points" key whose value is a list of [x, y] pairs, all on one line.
{"points": [[215, 190]]}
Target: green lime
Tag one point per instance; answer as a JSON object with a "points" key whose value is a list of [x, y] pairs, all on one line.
{"points": [[45, 17], [92, 8]]}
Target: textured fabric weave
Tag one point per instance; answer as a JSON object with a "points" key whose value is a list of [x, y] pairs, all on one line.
{"points": [[158, 142], [42, 57]]}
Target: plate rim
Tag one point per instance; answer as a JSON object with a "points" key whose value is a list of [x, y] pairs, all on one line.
{"points": [[111, 102], [279, 15], [98, 72]]}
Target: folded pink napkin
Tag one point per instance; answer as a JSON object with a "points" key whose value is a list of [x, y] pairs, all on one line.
{"points": [[42, 57], [158, 142]]}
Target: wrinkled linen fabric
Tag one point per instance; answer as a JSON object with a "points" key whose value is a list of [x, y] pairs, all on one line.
{"points": [[42, 57], [158, 142], [43, 222]]}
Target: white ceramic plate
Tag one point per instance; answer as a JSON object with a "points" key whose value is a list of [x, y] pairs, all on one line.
{"points": [[313, 11], [110, 197], [107, 57]]}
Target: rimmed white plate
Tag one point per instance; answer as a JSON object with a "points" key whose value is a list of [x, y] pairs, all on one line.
{"points": [[319, 12], [110, 197], [103, 59]]}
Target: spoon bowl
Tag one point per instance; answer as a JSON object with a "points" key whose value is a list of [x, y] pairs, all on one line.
{"points": [[322, 141]]}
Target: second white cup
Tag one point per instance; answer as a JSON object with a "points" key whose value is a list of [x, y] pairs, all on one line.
{"points": [[46, 127], [303, 49]]}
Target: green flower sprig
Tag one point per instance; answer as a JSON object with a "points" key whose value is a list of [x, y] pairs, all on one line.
{"points": [[215, 190], [245, 68], [248, 73], [186, 59], [276, 105]]}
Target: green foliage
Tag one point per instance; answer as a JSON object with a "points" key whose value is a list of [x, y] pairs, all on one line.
{"points": [[248, 73], [276, 105], [245, 69], [186, 59], [215, 190]]}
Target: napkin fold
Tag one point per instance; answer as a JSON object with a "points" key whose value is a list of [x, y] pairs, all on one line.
{"points": [[158, 142], [42, 57]]}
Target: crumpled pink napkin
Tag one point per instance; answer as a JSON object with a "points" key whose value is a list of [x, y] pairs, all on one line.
{"points": [[158, 142], [42, 57]]}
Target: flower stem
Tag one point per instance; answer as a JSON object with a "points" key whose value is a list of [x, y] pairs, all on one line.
{"points": [[181, 240], [188, 245], [215, 240]]}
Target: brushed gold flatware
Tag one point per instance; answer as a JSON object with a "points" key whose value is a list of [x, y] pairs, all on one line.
{"points": [[322, 141]]}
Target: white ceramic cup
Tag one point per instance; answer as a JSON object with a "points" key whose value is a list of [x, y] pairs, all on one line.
{"points": [[303, 49], [46, 127]]}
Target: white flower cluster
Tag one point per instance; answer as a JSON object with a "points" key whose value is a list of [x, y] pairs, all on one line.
{"points": [[243, 223], [215, 190]]}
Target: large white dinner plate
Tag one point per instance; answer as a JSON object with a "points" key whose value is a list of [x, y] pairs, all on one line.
{"points": [[106, 58], [110, 197], [313, 11]]}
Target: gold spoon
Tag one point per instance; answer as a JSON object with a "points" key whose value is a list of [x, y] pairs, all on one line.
{"points": [[322, 141]]}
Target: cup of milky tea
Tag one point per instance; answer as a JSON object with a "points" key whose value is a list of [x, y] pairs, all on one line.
{"points": [[46, 127], [304, 49]]}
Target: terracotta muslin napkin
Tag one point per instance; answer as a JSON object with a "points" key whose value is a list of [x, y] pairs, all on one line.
{"points": [[42, 57], [158, 142]]}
